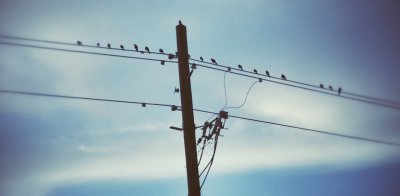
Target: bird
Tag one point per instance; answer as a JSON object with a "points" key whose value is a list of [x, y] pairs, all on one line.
{"points": [[339, 90], [229, 69], [283, 77], [136, 47], [176, 90], [213, 61], [147, 49], [240, 67], [161, 51], [98, 44], [330, 87], [321, 85], [201, 59], [109, 45], [143, 104], [79, 42], [122, 47], [170, 56], [255, 71], [162, 62], [267, 73]]}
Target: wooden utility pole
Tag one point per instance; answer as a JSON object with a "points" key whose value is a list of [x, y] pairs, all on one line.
{"points": [[189, 135]]}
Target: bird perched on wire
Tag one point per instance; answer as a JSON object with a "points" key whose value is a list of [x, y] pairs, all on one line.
{"points": [[339, 90], [161, 51], [122, 47], [201, 59], [147, 49], [321, 85], [330, 87], [162, 62], [283, 77], [98, 44], [240, 67], [170, 56], [214, 61], [136, 47], [79, 42], [109, 45], [267, 73], [255, 71]]}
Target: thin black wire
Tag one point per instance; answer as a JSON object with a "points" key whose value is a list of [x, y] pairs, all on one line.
{"points": [[210, 163], [83, 52], [244, 101], [309, 89], [301, 83], [307, 129], [74, 44], [233, 68], [81, 98], [203, 111]]}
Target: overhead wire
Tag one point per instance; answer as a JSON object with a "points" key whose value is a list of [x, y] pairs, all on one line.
{"points": [[305, 88], [200, 61], [74, 44], [203, 111], [83, 52], [297, 82]]}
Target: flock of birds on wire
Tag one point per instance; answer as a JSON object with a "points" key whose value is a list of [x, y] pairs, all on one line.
{"points": [[213, 61]]}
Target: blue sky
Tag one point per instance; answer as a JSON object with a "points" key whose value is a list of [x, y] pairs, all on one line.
{"points": [[54, 146]]}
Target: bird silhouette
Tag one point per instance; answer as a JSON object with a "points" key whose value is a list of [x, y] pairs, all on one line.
{"points": [[321, 85], [109, 45], [240, 67], [339, 90], [267, 73], [201, 59], [122, 47], [143, 104], [161, 51], [79, 42], [162, 62], [176, 90], [330, 87], [229, 69], [147, 49], [136, 47], [255, 71], [170, 56], [213, 61], [98, 44], [283, 77]]}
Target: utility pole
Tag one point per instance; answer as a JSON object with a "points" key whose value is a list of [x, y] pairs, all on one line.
{"points": [[189, 135]]}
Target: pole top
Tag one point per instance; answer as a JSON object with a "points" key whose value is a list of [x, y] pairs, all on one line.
{"points": [[180, 22]]}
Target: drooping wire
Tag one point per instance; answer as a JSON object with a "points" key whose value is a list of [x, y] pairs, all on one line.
{"points": [[74, 44], [83, 52], [282, 82], [203, 111], [244, 101], [299, 83]]}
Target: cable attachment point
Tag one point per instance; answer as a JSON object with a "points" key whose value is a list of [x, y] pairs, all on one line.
{"points": [[174, 108]]}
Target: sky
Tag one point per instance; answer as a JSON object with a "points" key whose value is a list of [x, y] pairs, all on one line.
{"points": [[53, 146]]}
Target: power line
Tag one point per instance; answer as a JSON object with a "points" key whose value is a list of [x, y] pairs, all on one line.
{"points": [[305, 88], [300, 83], [307, 129], [376, 101], [83, 98], [174, 107], [83, 52], [74, 44]]}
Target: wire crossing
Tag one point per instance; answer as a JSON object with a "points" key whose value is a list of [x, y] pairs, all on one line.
{"points": [[175, 107]]}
